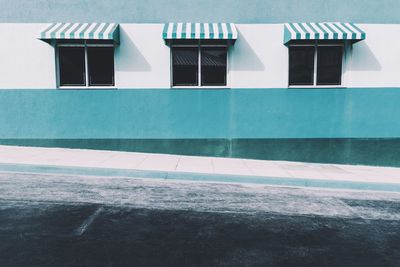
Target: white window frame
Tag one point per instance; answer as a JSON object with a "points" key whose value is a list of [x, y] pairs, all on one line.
{"points": [[315, 45], [86, 86], [199, 86]]}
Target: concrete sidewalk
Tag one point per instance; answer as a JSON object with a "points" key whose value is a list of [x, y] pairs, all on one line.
{"points": [[145, 165]]}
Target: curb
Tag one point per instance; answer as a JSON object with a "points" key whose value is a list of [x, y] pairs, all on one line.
{"points": [[199, 177]]}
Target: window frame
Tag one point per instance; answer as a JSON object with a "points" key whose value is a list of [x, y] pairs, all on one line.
{"points": [[198, 45], [84, 44], [315, 44]]}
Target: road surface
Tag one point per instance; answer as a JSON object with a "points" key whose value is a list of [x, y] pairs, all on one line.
{"points": [[58, 220]]}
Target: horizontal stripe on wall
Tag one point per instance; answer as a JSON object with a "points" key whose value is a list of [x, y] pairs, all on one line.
{"points": [[238, 11], [204, 114]]}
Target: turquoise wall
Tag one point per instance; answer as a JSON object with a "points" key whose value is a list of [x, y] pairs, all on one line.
{"points": [[239, 11], [173, 114]]}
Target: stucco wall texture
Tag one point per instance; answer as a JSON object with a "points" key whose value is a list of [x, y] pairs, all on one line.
{"points": [[238, 11], [200, 114]]}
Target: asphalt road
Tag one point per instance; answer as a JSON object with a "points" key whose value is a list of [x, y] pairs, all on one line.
{"points": [[54, 220]]}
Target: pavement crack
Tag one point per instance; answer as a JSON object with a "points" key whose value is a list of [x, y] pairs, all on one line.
{"points": [[86, 223], [177, 164]]}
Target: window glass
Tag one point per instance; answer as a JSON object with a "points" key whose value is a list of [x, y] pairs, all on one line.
{"points": [[72, 66], [329, 65], [185, 66], [101, 66], [213, 66], [301, 65]]}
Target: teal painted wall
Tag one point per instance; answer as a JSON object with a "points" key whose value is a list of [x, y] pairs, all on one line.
{"points": [[174, 114], [239, 11]]}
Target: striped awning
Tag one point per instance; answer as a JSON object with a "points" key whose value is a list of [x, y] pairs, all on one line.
{"points": [[81, 31], [225, 31], [323, 31]]}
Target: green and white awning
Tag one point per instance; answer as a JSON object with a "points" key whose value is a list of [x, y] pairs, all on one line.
{"points": [[225, 31], [323, 31], [81, 31]]}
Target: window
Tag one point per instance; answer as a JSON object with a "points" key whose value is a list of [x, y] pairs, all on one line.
{"points": [[329, 71], [199, 63], [301, 65], [72, 66], [86, 64], [315, 65], [185, 66], [213, 66], [101, 66]]}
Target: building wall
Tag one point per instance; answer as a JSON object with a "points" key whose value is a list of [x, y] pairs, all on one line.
{"points": [[239, 11], [25, 62], [200, 114], [259, 118], [142, 60], [356, 126]]}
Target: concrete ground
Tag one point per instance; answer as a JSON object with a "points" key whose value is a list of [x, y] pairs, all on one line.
{"points": [[68, 220], [110, 163]]}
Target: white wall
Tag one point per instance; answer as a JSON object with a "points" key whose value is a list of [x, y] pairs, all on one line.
{"points": [[25, 61], [257, 60], [142, 60], [375, 62]]}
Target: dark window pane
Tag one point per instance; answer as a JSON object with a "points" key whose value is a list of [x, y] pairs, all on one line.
{"points": [[329, 65], [301, 65], [72, 66], [101, 66], [185, 62], [213, 66]]}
